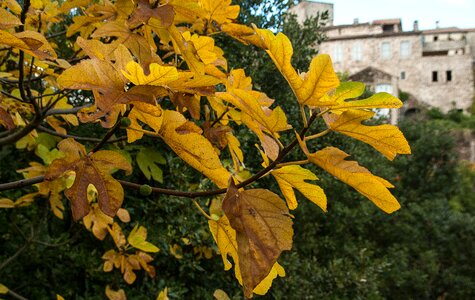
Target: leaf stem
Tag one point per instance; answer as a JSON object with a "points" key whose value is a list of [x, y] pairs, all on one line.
{"points": [[291, 163], [201, 209], [304, 116], [320, 134]]}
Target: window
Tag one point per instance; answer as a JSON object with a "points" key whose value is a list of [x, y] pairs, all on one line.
{"points": [[338, 53], [435, 76], [387, 88], [448, 75], [403, 75], [435, 38], [357, 52], [386, 50], [405, 49]]}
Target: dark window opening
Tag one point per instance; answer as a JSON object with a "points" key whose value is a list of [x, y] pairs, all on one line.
{"points": [[435, 38], [435, 76], [403, 75], [388, 28], [449, 75], [436, 53]]}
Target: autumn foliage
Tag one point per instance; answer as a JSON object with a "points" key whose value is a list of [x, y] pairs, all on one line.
{"points": [[151, 70]]}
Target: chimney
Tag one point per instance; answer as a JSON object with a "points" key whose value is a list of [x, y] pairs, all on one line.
{"points": [[437, 24], [416, 25], [356, 21]]}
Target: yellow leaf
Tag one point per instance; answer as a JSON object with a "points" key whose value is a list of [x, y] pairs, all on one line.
{"points": [[225, 237], [351, 90], [8, 20], [163, 295], [387, 139], [263, 287], [31, 42], [6, 203], [137, 238], [176, 251], [123, 215], [59, 297], [145, 113], [293, 177], [220, 295], [97, 222], [235, 149], [193, 148], [115, 295], [319, 79], [220, 11], [263, 230], [3, 289], [159, 75], [373, 187], [117, 235]]}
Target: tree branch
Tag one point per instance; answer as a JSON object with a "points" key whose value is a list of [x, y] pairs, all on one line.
{"points": [[110, 133], [136, 186], [65, 111], [21, 183], [79, 138]]}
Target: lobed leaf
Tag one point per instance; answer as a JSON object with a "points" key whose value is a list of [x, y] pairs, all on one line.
{"points": [[293, 177], [387, 139], [263, 230], [375, 188]]}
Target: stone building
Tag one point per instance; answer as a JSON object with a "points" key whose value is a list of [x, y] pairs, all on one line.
{"points": [[432, 67]]}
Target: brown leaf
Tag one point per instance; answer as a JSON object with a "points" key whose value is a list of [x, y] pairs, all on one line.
{"points": [[92, 169], [6, 119], [217, 135], [263, 230], [144, 12]]}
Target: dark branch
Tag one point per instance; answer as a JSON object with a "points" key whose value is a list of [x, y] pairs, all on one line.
{"points": [[66, 111], [78, 138], [110, 133], [21, 183], [136, 186]]}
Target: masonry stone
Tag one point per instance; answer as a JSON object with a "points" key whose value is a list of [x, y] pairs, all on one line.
{"points": [[435, 67]]}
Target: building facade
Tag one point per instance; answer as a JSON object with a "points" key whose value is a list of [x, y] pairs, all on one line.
{"points": [[432, 67]]}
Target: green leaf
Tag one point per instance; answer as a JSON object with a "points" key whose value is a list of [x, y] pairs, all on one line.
{"points": [[137, 238], [147, 159], [3, 289], [46, 155]]}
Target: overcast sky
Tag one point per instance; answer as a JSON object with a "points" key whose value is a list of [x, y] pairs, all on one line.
{"points": [[458, 13]]}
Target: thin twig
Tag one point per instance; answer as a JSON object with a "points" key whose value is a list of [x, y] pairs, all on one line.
{"points": [[15, 295], [11, 96], [110, 133], [56, 34], [136, 186], [78, 138], [291, 163], [65, 111], [21, 183]]}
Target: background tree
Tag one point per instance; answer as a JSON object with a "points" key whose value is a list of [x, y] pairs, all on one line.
{"points": [[187, 261]]}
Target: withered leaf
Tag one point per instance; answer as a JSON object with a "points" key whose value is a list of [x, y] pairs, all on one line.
{"points": [[263, 230], [92, 169]]}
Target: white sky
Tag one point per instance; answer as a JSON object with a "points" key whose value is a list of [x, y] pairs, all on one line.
{"points": [[458, 13]]}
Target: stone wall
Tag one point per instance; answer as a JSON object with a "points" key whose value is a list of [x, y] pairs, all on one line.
{"points": [[305, 10], [414, 72]]}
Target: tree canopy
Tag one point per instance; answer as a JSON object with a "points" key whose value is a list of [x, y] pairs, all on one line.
{"points": [[105, 94]]}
